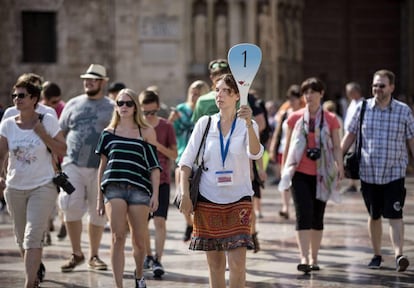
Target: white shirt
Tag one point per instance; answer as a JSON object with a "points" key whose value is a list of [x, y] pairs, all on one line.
{"points": [[30, 163], [350, 112], [237, 160], [40, 108]]}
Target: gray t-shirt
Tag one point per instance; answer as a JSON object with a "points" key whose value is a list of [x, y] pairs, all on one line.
{"points": [[82, 121]]}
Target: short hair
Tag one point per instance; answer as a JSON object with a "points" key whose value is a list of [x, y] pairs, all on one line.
{"points": [[229, 80], [386, 73], [218, 67], [50, 90], [116, 86], [293, 90], [353, 86], [312, 83], [148, 97], [31, 77]]}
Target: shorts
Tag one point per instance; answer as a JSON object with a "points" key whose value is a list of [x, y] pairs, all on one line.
{"points": [[163, 201], [83, 199], [30, 211], [130, 193], [386, 200]]}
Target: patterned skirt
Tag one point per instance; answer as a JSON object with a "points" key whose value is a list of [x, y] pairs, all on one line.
{"points": [[221, 226]]}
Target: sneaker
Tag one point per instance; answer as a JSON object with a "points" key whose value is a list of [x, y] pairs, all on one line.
{"points": [[97, 264], [157, 268], [402, 263], [187, 233], [375, 262], [41, 272], [140, 283], [62, 232], [149, 260], [72, 263]]}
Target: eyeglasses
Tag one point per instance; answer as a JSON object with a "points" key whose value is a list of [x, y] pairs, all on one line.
{"points": [[19, 95], [216, 65], [150, 112], [381, 86], [127, 103]]}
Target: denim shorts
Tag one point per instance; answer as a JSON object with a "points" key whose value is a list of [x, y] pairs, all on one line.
{"points": [[132, 194]]}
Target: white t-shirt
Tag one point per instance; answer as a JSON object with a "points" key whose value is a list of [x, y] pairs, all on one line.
{"points": [[40, 108], [350, 112], [30, 163], [237, 160]]}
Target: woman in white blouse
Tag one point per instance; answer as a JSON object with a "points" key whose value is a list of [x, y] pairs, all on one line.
{"points": [[223, 211]]}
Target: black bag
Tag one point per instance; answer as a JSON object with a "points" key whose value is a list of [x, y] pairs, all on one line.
{"points": [[351, 165], [196, 172], [351, 159]]}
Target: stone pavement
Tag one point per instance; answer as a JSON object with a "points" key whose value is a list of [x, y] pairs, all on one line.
{"points": [[344, 255]]}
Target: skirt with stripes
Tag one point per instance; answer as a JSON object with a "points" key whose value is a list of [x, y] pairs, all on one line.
{"points": [[222, 226]]}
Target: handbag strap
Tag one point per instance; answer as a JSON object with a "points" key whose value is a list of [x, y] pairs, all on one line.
{"points": [[359, 138], [203, 144]]}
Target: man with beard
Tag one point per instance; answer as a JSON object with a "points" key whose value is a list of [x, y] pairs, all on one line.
{"points": [[82, 120], [387, 131]]}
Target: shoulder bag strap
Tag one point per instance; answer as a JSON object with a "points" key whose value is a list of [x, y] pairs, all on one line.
{"points": [[359, 139], [55, 161], [203, 144]]}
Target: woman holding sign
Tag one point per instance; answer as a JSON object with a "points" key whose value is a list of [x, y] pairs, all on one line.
{"points": [[312, 164], [223, 211]]}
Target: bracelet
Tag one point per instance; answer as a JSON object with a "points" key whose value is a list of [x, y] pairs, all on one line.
{"points": [[249, 125]]}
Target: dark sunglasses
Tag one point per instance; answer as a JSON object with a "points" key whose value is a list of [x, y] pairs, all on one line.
{"points": [[150, 112], [127, 103], [216, 65], [19, 95], [382, 86]]}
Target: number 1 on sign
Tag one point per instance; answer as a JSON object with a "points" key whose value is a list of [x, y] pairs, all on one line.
{"points": [[244, 68]]}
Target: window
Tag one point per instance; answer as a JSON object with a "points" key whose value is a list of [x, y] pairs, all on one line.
{"points": [[39, 37]]}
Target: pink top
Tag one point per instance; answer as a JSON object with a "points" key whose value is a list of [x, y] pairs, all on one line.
{"points": [[306, 165]]}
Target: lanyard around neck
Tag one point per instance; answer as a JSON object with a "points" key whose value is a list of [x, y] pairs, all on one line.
{"points": [[225, 149]]}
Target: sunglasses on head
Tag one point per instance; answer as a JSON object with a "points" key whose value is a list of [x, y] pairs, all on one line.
{"points": [[127, 103], [216, 65], [150, 112], [18, 95], [378, 86]]}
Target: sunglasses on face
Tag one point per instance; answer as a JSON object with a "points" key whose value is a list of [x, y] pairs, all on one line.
{"points": [[150, 112], [381, 86], [127, 103], [19, 95]]}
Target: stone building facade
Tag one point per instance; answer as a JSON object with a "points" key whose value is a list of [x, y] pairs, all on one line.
{"points": [[169, 43]]}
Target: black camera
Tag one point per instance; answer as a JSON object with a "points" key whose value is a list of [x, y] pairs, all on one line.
{"points": [[61, 180], [313, 153]]}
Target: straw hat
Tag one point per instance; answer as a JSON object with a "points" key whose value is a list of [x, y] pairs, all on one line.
{"points": [[95, 71]]}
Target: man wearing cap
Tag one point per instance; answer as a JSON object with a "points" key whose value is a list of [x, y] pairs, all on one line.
{"points": [[206, 104], [82, 120]]}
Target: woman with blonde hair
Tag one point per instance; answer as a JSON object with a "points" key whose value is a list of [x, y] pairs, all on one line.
{"points": [[128, 174]]}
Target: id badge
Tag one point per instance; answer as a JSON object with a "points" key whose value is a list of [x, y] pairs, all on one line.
{"points": [[224, 178]]}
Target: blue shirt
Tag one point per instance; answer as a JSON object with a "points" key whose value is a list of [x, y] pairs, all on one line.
{"points": [[384, 156]]}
